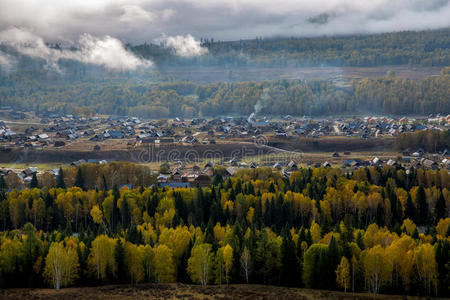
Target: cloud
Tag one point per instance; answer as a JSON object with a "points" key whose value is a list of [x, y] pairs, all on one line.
{"points": [[6, 62], [137, 21], [107, 51], [185, 46]]}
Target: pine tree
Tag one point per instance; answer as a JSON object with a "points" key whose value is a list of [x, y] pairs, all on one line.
{"points": [[182, 273], [3, 188], [290, 266], [218, 179], [34, 181], [79, 180], [334, 258], [440, 211], [359, 240], [410, 209], [60, 180], [209, 234], [124, 212], [119, 255], [423, 206]]}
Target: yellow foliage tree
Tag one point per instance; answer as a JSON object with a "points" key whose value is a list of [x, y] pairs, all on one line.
{"points": [[442, 227], [426, 266], [377, 267], [134, 257], [409, 226], [101, 257], [343, 274], [164, 264], [316, 232], [200, 263], [61, 265]]}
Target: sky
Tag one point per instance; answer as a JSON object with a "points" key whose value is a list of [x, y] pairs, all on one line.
{"points": [[99, 28], [137, 21]]}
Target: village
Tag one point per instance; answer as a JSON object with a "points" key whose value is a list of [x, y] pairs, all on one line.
{"points": [[100, 134]]}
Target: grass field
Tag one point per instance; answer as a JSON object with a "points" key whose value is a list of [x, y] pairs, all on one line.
{"points": [[182, 291]]}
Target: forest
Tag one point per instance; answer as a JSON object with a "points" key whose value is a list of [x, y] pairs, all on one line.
{"points": [[428, 140], [387, 94], [425, 48], [376, 229]]}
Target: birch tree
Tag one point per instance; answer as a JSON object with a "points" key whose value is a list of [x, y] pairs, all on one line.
{"points": [[246, 263], [343, 274], [61, 265], [200, 263]]}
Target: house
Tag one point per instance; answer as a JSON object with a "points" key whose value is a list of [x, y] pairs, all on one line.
{"points": [[404, 120], [428, 163], [162, 178], [202, 180], [326, 164], [147, 140], [209, 164], [208, 171], [42, 136], [233, 161], [243, 165], [174, 185], [230, 171], [29, 172], [416, 154], [406, 152], [175, 175], [419, 153], [253, 165], [166, 141], [392, 163], [5, 172], [59, 144], [114, 134], [78, 162], [277, 166], [292, 166]]}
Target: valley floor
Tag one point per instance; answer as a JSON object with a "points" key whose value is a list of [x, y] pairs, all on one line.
{"points": [[185, 291]]}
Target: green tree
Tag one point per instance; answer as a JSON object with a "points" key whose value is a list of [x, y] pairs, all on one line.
{"points": [[290, 267], [60, 179], [79, 179], [34, 181]]}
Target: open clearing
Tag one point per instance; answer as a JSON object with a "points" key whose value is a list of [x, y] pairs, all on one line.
{"points": [[339, 75], [183, 291]]}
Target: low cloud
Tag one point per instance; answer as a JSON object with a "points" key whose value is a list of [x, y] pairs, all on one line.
{"points": [[185, 46], [107, 51], [6, 62], [138, 21]]}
